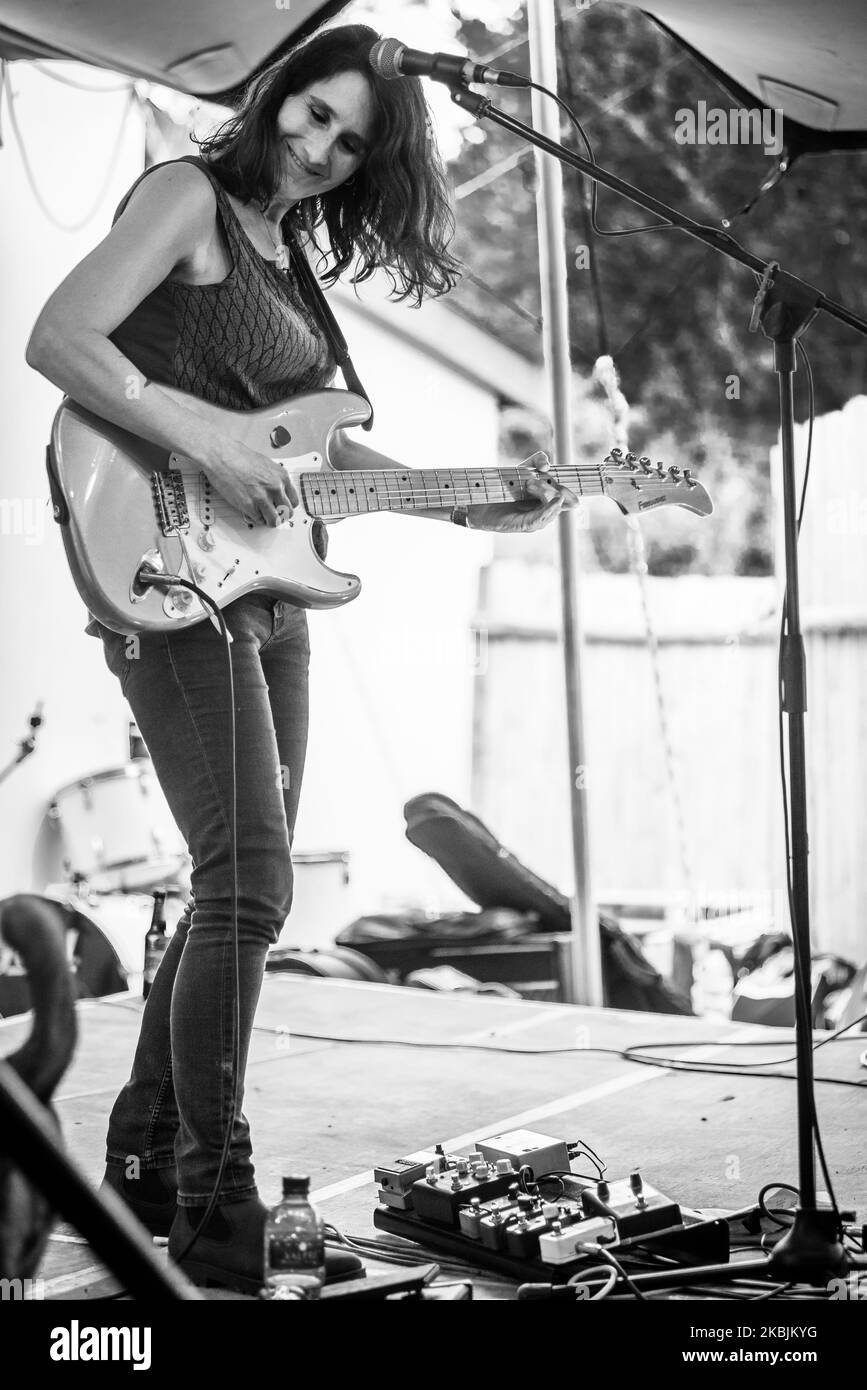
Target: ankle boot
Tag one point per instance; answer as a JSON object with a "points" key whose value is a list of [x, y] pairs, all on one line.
{"points": [[152, 1196], [230, 1252]]}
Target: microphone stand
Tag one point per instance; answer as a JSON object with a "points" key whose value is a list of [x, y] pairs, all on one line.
{"points": [[26, 746], [783, 307]]}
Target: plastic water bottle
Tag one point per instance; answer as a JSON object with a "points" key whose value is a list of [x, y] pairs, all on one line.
{"points": [[294, 1245]]}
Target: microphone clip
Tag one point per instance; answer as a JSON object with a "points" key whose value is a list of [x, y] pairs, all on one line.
{"points": [[474, 102]]}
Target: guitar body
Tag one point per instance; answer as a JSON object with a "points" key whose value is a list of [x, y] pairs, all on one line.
{"points": [[120, 516]]}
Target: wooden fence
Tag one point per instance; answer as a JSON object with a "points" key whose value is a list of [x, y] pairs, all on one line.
{"points": [[703, 822]]}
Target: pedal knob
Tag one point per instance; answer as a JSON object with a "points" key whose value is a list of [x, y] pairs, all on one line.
{"points": [[181, 598], [480, 1172], [603, 1191], [504, 1166], [635, 1182], [463, 1167]]}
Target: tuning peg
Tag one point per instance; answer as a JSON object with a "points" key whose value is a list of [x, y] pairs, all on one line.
{"points": [[645, 464], [674, 473], [616, 453], [660, 470], [690, 481]]}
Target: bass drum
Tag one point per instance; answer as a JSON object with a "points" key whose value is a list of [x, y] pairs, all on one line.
{"points": [[94, 962], [122, 921], [113, 831]]}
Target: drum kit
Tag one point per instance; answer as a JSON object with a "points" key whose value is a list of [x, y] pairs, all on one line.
{"points": [[105, 843]]}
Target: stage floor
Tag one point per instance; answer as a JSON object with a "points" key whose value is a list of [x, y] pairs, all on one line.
{"points": [[335, 1109]]}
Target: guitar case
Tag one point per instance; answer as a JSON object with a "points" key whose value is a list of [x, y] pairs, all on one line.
{"points": [[492, 876]]}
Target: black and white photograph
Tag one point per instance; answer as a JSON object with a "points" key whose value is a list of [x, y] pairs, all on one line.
{"points": [[468, 903]]}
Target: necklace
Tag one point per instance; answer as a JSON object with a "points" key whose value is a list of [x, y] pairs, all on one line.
{"points": [[280, 247]]}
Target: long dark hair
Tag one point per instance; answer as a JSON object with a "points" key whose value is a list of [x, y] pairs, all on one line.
{"points": [[395, 212]]}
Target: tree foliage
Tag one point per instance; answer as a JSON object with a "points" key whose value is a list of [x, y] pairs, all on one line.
{"points": [[673, 314]]}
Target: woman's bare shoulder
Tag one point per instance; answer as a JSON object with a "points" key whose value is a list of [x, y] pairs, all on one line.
{"points": [[175, 187]]}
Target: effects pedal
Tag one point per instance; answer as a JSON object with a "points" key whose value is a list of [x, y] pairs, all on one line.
{"points": [[396, 1178], [439, 1196], [634, 1207]]}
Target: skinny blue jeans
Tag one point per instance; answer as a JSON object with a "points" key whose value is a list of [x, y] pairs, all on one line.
{"points": [[175, 1109]]}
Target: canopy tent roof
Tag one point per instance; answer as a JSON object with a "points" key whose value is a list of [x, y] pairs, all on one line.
{"points": [[204, 47], [806, 58]]}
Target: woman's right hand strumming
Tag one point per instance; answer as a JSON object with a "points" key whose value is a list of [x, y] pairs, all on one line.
{"points": [[254, 484]]}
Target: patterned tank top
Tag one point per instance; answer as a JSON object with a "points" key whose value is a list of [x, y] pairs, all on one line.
{"points": [[250, 340]]}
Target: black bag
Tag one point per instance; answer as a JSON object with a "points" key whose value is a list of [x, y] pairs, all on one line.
{"points": [[492, 876], [414, 924]]}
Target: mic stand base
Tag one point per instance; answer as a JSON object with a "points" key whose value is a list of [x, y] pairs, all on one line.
{"points": [[812, 1250]]}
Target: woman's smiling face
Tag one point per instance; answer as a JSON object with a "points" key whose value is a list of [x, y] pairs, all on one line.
{"points": [[325, 133]]}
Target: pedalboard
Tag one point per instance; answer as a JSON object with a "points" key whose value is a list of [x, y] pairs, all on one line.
{"points": [[512, 1203]]}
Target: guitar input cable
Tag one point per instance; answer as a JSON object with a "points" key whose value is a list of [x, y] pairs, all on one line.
{"points": [[151, 579]]}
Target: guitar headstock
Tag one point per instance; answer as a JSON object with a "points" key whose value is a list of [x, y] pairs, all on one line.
{"points": [[638, 486]]}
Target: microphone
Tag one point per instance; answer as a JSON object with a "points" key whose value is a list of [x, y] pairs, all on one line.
{"points": [[391, 59]]}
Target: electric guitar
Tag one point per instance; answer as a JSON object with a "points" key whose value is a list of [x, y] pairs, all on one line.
{"points": [[128, 508]]}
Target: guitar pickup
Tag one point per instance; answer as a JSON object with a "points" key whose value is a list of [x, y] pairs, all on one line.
{"points": [[170, 502], [206, 500]]}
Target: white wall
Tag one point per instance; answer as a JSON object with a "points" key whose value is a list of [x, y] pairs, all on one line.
{"points": [[69, 136], [392, 675]]}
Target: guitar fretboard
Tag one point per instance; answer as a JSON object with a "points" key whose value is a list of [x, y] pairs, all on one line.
{"points": [[343, 492]]}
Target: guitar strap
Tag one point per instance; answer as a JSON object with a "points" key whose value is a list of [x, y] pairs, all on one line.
{"points": [[317, 301]]}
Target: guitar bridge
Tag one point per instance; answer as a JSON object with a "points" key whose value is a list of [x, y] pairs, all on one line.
{"points": [[170, 502]]}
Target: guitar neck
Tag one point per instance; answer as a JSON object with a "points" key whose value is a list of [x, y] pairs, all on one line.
{"points": [[345, 492]]}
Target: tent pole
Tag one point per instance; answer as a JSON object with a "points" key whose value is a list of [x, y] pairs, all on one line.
{"points": [[586, 966]]}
